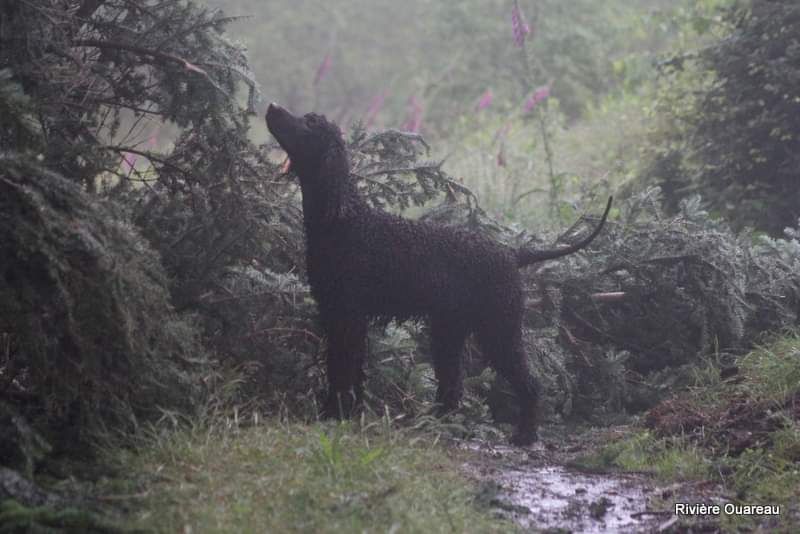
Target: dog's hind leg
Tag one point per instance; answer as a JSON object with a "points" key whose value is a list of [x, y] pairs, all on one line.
{"points": [[501, 343]]}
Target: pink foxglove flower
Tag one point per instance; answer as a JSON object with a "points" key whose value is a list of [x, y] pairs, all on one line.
{"points": [[413, 120], [518, 25], [323, 69], [375, 106], [485, 100], [538, 95]]}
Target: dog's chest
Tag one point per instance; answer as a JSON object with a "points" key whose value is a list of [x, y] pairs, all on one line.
{"points": [[344, 260]]}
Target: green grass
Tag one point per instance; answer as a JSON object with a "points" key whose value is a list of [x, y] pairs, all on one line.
{"points": [[15, 517], [766, 474], [772, 372], [274, 477], [667, 459]]}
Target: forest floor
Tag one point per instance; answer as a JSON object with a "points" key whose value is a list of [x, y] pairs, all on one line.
{"points": [[341, 477], [378, 477], [552, 487], [733, 441]]}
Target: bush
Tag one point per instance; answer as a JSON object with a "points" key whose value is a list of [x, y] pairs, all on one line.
{"points": [[94, 340], [730, 114], [748, 136]]}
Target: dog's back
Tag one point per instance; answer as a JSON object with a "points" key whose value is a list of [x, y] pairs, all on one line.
{"points": [[392, 267]]}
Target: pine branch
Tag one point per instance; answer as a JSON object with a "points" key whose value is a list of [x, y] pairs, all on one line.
{"points": [[162, 56]]}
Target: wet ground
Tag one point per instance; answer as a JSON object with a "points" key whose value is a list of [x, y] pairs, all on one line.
{"points": [[537, 488]]}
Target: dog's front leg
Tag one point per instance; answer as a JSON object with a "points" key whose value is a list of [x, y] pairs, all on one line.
{"points": [[347, 345]]}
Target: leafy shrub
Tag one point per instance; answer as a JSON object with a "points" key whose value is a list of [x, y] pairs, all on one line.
{"points": [[729, 114], [748, 136], [86, 309]]}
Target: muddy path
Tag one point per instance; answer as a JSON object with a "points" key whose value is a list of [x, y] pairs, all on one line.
{"points": [[542, 490]]}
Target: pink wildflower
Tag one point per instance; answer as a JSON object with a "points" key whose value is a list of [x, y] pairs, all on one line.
{"points": [[518, 25], [485, 100], [538, 95], [413, 120], [375, 106], [323, 69]]}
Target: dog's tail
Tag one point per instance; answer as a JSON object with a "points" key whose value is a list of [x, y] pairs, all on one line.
{"points": [[528, 256]]}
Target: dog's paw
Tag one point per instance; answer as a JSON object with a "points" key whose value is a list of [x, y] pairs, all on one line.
{"points": [[524, 439], [340, 407]]}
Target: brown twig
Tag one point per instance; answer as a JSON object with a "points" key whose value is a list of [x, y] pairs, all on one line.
{"points": [[611, 296], [96, 43], [147, 155]]}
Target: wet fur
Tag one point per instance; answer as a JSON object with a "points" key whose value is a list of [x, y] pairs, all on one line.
{"points": [[365, 264]]}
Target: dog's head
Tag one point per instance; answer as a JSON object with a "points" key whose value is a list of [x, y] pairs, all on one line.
{"points": [[308, 140]]}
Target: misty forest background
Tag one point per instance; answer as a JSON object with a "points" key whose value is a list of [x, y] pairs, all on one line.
{"points": [[151, 248]]}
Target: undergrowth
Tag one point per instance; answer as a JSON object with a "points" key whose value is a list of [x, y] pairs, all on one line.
{"points": [[361, 476], [741, 432], [667, 459]]}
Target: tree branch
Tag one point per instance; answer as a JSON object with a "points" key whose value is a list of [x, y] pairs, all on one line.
{"points": [[162, 56], [149, 156]]}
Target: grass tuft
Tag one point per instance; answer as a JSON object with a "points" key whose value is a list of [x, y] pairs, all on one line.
{"points": [[277, 477], [743, 433]]}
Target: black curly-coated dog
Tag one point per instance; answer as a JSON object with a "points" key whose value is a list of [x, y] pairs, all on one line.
{"points": [[364, 263]]}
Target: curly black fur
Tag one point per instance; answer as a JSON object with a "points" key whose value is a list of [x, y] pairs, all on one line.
{"points": [[364, 263]]}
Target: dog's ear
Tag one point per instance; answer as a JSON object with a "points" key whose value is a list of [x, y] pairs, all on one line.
{"points": [[333, 181]]}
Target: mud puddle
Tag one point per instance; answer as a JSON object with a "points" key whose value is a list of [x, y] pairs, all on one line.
{"points": [[538, 490], [553, 496]]}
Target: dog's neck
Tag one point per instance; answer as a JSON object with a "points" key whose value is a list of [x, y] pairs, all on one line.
{"points": [[330, 196]]}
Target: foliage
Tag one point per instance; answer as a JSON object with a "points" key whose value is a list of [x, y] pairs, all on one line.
{"points": [[22, 447], [672, 459], [85, 71], [86, 307], [528, 161], [731, 111], [17, 518], [94, 341], [691, 288], [750, 167], [142, 232], [151, 119], [343, 60], [650, 294], [741, 430]]}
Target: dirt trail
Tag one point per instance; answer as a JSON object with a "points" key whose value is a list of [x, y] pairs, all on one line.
{"points": [[538, 490]]}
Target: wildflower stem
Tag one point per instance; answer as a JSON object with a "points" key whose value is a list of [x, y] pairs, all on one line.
{"points": [[528, 76]]}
